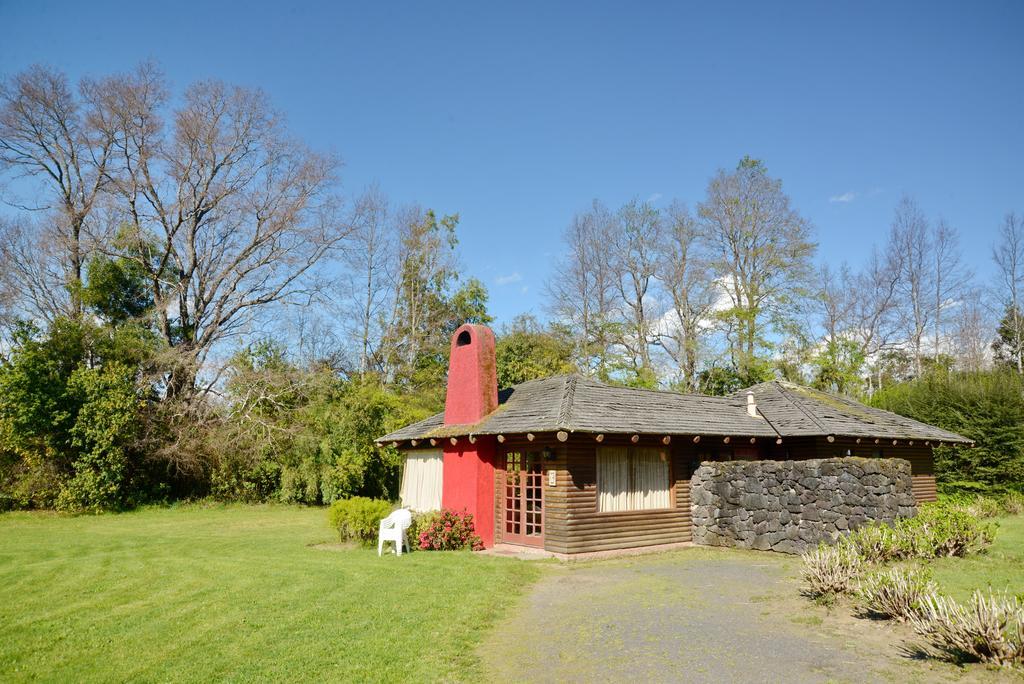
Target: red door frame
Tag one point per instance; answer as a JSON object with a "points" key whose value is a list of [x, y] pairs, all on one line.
{"points": [[521, 496]]}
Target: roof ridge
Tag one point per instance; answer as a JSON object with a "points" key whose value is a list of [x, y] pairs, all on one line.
{"points": [[782, 390], [568, 395]]}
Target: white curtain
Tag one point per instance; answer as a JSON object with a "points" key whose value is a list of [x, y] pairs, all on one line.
{"points": [[650, 479], [612, 479], [422, 480], [632, 479]]}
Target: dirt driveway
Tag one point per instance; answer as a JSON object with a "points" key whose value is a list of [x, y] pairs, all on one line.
{"points": [[698, 615]]}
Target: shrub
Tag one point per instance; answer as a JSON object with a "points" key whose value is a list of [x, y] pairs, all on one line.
{"points": [[977, 505], [420, 522], [938, 530], [880, 543], [358, 519], [830, 570], [449, 531], [895, 593], [1012, 503], [989, 629]]}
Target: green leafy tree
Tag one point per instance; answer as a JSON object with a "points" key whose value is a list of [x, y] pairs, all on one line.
{"points": [[761, 249], [70, 406], [103, 438], [527, 352], [116, 289], [838, 367], [1009, 344]]}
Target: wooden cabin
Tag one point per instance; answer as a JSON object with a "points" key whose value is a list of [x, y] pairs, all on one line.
{"points": [[571, 465]]}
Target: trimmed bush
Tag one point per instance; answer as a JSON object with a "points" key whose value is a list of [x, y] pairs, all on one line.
{"points": [[449, 531], [358, 519], [896, 593], [830, 570], [989, 629]]}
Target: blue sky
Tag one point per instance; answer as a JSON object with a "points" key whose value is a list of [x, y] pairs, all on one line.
{"points": [[516, 116]]}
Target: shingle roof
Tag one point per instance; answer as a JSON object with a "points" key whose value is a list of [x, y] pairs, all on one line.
{"points": [[575, 403], [796, 411]]}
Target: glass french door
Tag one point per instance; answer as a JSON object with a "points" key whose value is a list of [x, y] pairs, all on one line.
{"points": [[524, 499]]}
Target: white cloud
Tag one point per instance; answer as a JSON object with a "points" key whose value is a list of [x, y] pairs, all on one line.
{"points": [[514, 277], [848, 196], [524, 289], [654, 198]]}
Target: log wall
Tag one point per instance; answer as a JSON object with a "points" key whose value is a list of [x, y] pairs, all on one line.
{"points": [[572, 523]]}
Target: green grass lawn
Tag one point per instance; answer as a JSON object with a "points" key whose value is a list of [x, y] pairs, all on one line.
{"points": [[1002, 567], [235, 593]]}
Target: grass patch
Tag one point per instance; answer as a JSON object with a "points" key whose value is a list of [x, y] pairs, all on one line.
{"points": [[999, 568], [235, 592]]}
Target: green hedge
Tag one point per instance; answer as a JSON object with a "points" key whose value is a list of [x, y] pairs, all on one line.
{"points": [[358, 519], [987, 407]]}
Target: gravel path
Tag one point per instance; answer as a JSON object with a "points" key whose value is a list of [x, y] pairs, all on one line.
{"points": [[698, 615]]}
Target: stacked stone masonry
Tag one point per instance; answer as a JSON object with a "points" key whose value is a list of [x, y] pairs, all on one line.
{"points": [[790, 506]]}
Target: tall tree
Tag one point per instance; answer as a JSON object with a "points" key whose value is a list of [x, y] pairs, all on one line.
{"points": [[837, 300], [686, 277], [634, 262], [426, 271], [230, 214], [50, 134], [761, 250], [370, 260], [876, 323], [34, 274], [911, 239], [950, 278], [1008, 255], [583, 293], [972, 334]]}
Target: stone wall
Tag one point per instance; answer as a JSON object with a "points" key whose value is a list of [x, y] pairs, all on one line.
{"points": [[789, 506]]}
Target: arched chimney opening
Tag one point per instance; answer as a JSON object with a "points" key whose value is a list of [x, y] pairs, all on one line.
{"points": [[472, 376]]}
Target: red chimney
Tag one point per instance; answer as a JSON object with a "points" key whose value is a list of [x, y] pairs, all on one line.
{"points": [[472, 376]]}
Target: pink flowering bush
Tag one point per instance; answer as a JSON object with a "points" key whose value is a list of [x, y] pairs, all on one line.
{"points": [[448, 531]]}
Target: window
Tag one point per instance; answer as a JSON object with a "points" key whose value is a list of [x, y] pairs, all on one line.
{"points": [[632, 479], [422, 480]]}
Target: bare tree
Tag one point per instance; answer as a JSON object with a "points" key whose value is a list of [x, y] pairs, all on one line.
{"points": [[633, 255], [761, 249], [34, 270], [950, 277], [48, 133], [876, 294], [227, 213], [582, 292], [370, 259], [687, 279], [837, 300], [1008, 255], [911, 238], [972, 333]]}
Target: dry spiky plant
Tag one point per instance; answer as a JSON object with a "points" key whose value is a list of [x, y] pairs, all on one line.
{"points": [[896, 593], [830, 570], [988, 628]]}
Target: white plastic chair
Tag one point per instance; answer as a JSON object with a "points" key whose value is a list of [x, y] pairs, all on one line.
{"points": [[393, 528]]}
